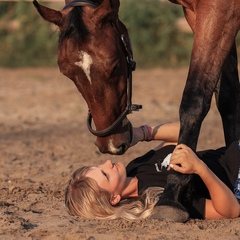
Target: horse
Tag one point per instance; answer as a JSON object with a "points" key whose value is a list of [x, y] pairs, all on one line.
{"points": [[94, 51]]}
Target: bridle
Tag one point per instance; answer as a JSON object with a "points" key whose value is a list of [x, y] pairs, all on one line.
{"points": [[131, 67]]}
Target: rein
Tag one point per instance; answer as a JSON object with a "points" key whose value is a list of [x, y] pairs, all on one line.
{"points": [[131, 67]]}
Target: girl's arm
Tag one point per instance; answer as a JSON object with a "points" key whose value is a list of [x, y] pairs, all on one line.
{"points": [[167, 132], [223, 203]]}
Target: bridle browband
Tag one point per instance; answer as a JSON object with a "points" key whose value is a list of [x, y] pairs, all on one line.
{"points": [[80, 3], [131, 67]]}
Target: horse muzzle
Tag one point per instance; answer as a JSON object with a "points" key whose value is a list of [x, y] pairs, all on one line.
{"points": [[118, 142]]}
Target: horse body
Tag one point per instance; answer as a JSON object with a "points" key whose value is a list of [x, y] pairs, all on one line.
{"points": [[91, 53]]}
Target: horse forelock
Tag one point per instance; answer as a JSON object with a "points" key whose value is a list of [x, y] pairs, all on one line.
{"points": [[74, 26]]}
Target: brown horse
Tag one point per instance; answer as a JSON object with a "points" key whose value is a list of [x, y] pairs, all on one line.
{"points": [[94, 51]]}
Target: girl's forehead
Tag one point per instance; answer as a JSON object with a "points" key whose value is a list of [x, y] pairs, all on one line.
{"points": [[90, 170], [94, 172]]}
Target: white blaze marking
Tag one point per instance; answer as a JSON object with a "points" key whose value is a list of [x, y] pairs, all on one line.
{"points": [[85, 63]]}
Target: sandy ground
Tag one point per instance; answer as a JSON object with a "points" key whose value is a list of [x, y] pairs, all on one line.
{"points": [[44, 138]]}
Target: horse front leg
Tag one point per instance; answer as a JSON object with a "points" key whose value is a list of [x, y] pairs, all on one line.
{"points": [[214, 28], [195, 104], [215, 32], [228, 97], [192, 112]]}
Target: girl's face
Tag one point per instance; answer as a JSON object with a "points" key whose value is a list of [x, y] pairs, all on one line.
{"points": [[109, 176]]}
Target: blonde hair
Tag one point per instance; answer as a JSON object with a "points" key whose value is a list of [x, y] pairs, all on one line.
{"points": [[83, 197]]}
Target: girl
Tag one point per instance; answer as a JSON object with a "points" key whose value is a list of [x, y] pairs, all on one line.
{"points": [[111, 191]]}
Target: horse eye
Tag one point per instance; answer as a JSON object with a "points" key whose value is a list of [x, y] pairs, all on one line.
{"points": [[115, 69]]}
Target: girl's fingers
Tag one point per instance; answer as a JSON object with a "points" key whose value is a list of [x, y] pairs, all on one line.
{"points": [[176, 160], [178, 149], [177, 168], [181, 146]]}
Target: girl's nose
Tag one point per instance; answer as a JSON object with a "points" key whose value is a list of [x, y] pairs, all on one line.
{"points": [[108, 163]]}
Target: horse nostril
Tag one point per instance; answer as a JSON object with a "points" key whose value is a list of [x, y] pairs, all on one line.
{"points": [[100, 147], [122, 148]]}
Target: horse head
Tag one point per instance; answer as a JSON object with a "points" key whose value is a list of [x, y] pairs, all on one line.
{"points": [[94, 51]]}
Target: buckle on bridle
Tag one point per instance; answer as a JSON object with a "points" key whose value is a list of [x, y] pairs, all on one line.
{"points": [[133, 64], [135, 107]]}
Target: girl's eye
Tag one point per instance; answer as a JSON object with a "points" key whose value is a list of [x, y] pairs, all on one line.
{"points": [[106, 175]]}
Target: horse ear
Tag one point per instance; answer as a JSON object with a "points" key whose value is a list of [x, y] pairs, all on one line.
{"points": [[49, 14], [108, 7]]}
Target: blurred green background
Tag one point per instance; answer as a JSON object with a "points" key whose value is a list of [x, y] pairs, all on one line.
{"points": [[158, 31]]}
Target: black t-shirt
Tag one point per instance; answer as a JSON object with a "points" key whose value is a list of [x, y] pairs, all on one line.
{"points": [[224, 162]]}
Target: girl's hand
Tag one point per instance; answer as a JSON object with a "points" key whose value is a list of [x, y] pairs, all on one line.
{"points": [[222, 202], [184, 160]]}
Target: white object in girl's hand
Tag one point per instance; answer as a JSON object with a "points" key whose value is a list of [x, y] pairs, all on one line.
{"points": [[166, 161]]}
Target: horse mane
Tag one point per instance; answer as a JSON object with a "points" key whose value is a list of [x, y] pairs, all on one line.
{"points": [[75, 26]]}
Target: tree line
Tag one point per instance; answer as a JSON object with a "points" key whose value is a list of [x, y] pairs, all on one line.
{"points": [[28, 40]]}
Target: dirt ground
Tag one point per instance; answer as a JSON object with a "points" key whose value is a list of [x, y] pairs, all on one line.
{"points": [[44, 138]]}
